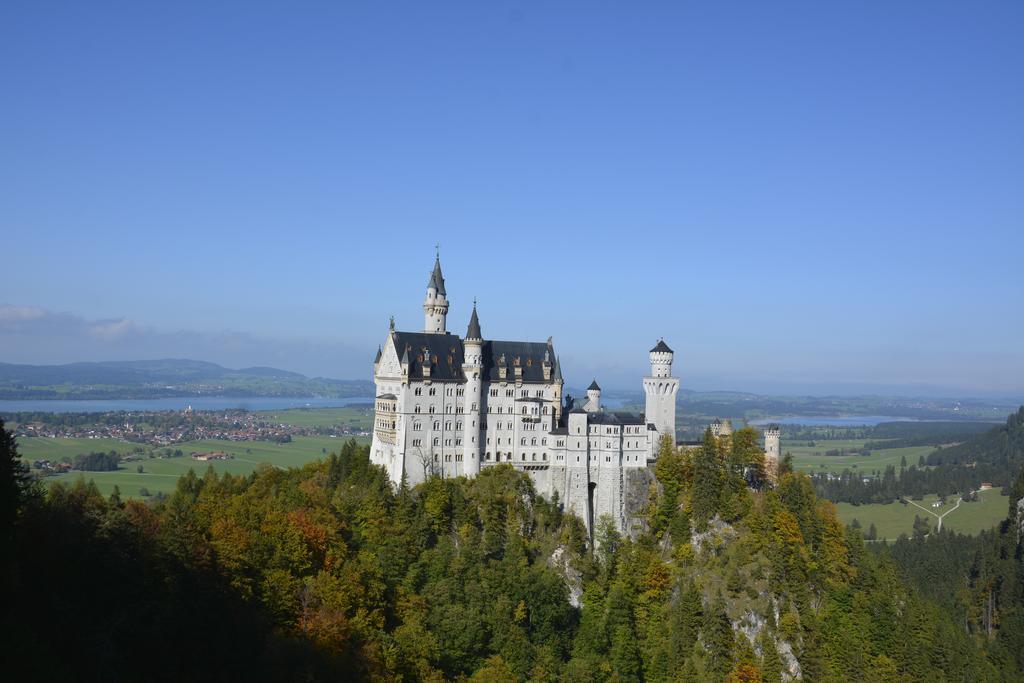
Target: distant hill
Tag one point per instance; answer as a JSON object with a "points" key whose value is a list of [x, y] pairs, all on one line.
{"points": [[165, 378], [999, 450]]}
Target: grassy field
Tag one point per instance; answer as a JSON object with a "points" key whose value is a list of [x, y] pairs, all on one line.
{"points": [[892, 519], [350, 416], [812, 459], [161, 474]]}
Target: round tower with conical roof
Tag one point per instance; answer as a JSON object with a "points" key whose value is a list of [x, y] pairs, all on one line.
{"points": [[472, 369], [593, 398], [435, 305], [660, 388]]}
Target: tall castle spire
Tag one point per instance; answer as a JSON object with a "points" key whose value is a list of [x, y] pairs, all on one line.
{"points": [[473, 332], [435, 305]]}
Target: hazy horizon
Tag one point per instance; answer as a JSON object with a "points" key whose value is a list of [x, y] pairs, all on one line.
{"points": [[800, 198]]}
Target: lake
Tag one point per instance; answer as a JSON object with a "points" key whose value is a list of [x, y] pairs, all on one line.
{"points": [[197, 403], [838, 421]]}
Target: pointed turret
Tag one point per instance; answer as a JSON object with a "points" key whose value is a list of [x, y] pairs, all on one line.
{"points": [[435, 305], [379, 354], [436, 278], [473, 332], [558, 369]]}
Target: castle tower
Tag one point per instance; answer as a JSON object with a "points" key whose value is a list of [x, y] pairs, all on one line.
{"points": [[772, 451], [661, 388], [435, 305], [593, 398], [472, 368]]}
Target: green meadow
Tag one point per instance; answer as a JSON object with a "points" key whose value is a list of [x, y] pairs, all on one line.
{"points": [[893, 519], [812, 459], [351, 416], [161, 474]]}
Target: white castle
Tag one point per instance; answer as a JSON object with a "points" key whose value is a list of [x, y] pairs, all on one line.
{"points": [[450, 406]]}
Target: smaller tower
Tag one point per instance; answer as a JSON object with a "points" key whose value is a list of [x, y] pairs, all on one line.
{"points": [[772, 451], [660, 389], [435, 305], [593, 398], [472, 369]]}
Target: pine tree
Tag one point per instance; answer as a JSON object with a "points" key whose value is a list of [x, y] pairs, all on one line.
{"points": [[707, 482]]}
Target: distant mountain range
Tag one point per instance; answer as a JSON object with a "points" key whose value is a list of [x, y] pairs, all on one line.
{"points": [[165, 379]]}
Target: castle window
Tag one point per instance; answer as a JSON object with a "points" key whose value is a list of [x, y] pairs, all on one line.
{"points": [[448, 425], [416, 426], [431, 410], [522, 442], [447, 442], [416, 409], [432, 391], [458, 410], [533, 457], [488, 457], [437, 424], [473, 407], [493, 392], [448, 409], [544, 456], [458, 442], [524, 410], [524, 393], [510, 392], [460, 391], [508, 456], [418, 391], [437, 441], [533, 441], [544, 441], [488, 441], [458, 426]]}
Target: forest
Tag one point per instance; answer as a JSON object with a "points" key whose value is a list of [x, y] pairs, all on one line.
{"points": [[995, 456], [329, 572]]}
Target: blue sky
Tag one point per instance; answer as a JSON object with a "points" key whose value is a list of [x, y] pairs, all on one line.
{"points": [[820, 197]]}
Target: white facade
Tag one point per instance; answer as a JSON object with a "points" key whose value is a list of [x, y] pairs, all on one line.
{"points": [[451, 406]]}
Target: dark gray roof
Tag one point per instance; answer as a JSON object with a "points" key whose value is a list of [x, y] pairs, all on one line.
{"points": [[446, 356], [377, 359], [389, 397], [556, 374], [530, 355], [615, 419], [593, 386], [474, 326], [662, 347], [436, 279]]}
